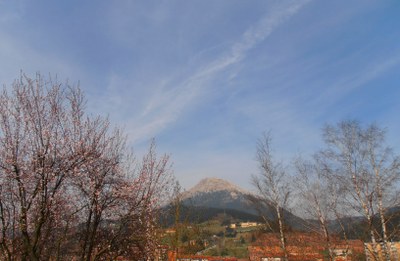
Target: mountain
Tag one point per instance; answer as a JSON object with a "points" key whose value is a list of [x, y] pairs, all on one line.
{"points": [[209, 185], [214, 196], [211, 198], [356, 227], [219, 194]]}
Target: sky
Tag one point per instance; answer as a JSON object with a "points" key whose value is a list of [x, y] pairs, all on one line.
{"points": [[206, 78]]}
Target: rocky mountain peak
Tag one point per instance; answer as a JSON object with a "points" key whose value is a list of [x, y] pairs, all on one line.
{"points": [[217, 194], [209, 185]]}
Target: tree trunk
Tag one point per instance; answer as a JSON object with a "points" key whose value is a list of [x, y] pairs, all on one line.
{"points": [[281, 231]]}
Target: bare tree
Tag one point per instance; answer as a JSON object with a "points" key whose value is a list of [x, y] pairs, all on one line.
{"points": [[272, 187], [367, 171], [319, 201], [314, 199]]}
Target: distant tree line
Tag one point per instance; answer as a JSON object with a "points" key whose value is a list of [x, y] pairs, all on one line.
{"points": [[355, 174], [70, 188]]}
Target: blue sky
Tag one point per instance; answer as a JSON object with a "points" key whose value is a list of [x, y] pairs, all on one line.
{"points": [[206, 78]]}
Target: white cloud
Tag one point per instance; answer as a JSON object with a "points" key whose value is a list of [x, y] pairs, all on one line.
{"points": [[169, 102]]}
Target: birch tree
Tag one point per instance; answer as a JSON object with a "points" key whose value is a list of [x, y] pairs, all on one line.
{"points": [[368, 172], [272, 188], [319, 201]]}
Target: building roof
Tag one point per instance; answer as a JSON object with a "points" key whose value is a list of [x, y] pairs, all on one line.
{"points": [[300, 246]]}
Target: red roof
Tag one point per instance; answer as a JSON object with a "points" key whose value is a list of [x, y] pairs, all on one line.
{"points": [[300, 246]]}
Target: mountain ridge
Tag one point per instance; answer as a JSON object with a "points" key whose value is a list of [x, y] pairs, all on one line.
{"points": [[211, 185], [216, 193]]}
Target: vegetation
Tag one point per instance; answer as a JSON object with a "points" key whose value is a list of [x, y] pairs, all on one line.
{"points": [[356, 174], [346, 191], [69, 186]]}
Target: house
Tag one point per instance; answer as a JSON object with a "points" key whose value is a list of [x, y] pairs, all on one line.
{"points": [[248, 224], [303, 247]]}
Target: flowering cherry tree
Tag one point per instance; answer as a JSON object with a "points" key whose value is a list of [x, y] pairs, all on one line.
{"points": [[69, 187]]}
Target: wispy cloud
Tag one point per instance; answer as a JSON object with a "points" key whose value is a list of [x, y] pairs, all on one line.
{"points": [[169, 102], [354, 80], [208, 78]]}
